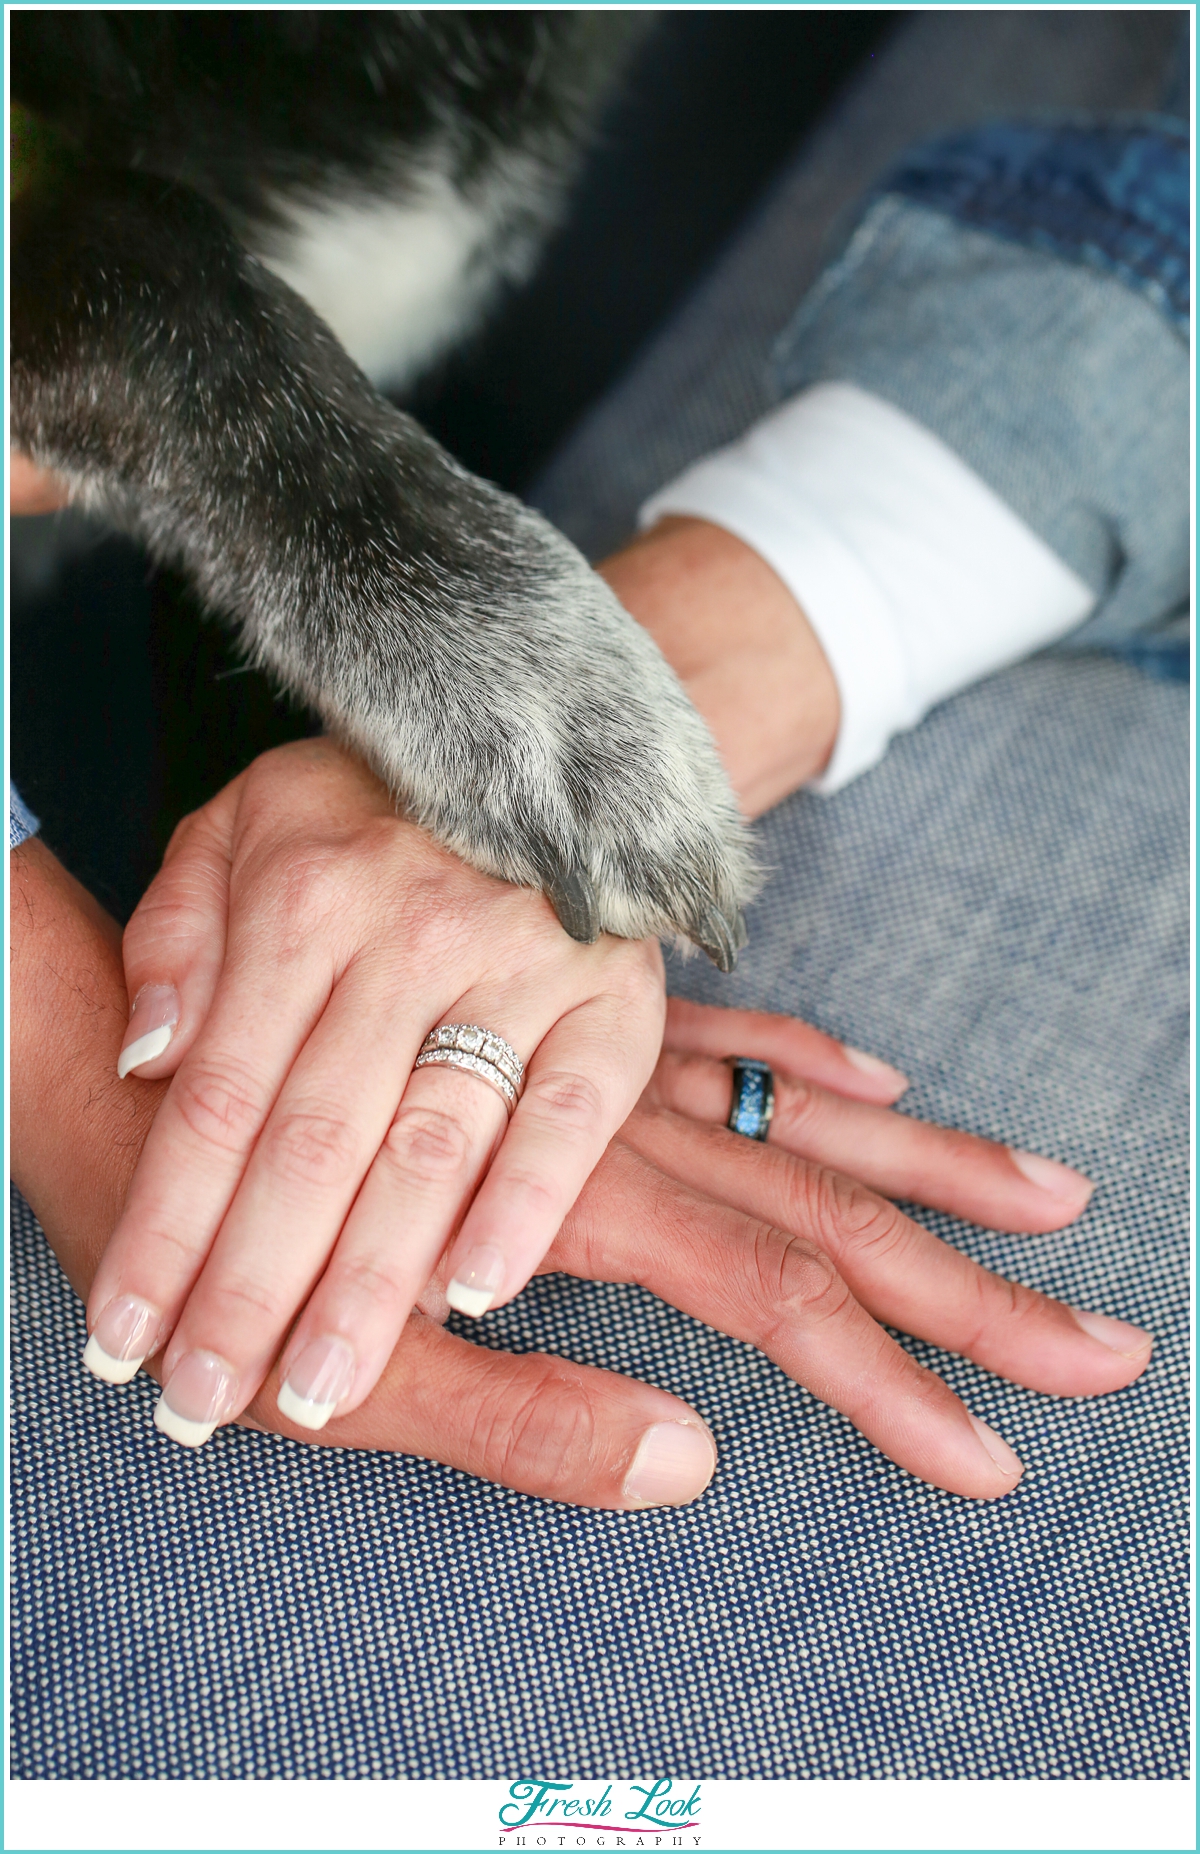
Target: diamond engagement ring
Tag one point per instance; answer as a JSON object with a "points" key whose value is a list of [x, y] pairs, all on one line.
{"points": [[753, 1098], [479, 1052]]}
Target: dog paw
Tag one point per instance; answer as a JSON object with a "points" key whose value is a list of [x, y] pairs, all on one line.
{"points": [[520, 715], [437, 625]]}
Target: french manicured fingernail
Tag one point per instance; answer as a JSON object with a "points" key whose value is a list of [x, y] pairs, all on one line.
{"points": [[871, 1065], [674, 1463], [316, 1383], [1048, 1175], [997, 1450], [121, 1339], [198, 1393], [1118, 1335], [152, 1021], [477, 1281]]}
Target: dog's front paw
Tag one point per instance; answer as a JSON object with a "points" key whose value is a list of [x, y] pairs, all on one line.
{"points": [[521, 716]]}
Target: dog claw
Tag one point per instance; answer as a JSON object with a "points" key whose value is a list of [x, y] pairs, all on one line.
{"points": [[721, 938], [574, 901]]}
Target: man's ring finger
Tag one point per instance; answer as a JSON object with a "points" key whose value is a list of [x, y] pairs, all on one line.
{"points": [[753, 1098]]}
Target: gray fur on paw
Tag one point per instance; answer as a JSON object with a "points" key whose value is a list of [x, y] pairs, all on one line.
{"points": [[522, 717]]}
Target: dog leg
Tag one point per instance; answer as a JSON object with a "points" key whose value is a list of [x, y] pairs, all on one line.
{"points": [[437, 625]]}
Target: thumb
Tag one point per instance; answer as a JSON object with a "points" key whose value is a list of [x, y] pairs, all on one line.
{"points": [[174, 945]]}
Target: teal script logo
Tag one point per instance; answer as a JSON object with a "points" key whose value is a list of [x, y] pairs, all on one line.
{"points": [[626, 1815]]}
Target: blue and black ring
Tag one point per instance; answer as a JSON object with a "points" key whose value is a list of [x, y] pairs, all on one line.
{"points": [[753, 1098]]}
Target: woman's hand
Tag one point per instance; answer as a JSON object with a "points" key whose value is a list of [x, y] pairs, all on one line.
{"points": [[285, 966]]}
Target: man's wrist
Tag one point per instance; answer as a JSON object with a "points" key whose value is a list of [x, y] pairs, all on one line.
{"points": [[76, 1130], [32, 491], [741, 646]]}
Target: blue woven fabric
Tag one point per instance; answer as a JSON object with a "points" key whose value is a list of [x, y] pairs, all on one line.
{"points": [[1116, 197], [1000, 908], [21, 821]]}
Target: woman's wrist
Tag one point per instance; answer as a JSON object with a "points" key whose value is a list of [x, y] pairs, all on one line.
{"points": [[741, 646]]}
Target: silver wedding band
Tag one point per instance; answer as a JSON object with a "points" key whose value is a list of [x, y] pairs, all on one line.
{"points": [[476, 1051]]}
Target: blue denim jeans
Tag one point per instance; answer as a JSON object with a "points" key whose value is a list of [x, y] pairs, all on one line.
{"points": [[1000, 907], [1022, 291]]}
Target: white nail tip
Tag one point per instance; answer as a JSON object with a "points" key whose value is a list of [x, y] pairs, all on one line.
{"points": [[144, 1050], [112, 1370], [470, 1300], [191, 1435], [300, 1410]]}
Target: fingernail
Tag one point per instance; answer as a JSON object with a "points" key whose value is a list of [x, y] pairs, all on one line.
{"points": [[1048, 1175], [997, 1450], [674, 1463], [316, 1383], [198, 1393], [152, 1020], [477, 1281], [871, 1065], [121, 1339], [1118, 1335]]}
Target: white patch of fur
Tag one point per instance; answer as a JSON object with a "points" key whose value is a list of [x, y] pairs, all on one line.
{"points": [[400, 277]]}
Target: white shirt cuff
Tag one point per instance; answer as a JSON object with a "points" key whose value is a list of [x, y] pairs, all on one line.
{"points": [[916, 578]]}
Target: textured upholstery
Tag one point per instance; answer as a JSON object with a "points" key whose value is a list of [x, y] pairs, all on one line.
{"points": [[1017, 943]]}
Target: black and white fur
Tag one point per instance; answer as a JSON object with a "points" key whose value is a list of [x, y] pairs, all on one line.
{"points": [[208, 172]]}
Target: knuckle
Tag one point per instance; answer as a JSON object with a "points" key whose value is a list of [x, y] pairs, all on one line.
{"points": [[242, 1302], [291, 892], [423, 1142], [370, 1281], [169, 1253], [543, 1441], [641, 968], [309, 884], [568, 1100], [539, 1200], [795, 1278], [998, 1302], [162, 924], [847, 1213], [435, 915], [185, 829], [802, 1112], [310, 1147], [221, 1104]]}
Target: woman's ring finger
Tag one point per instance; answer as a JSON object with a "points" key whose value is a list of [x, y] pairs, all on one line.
{"points": [[476, 1051]]}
